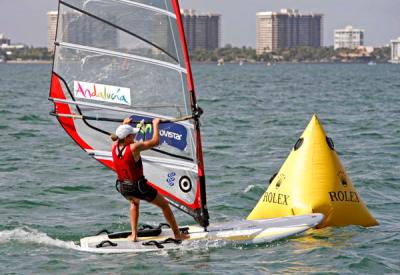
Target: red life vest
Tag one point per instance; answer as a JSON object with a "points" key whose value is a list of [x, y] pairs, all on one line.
{"points": [[126, 166]]}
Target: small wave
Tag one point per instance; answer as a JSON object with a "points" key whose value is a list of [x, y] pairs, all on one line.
{"points": [[68, 189], [248, 188], [373, 265], [212, 99], [4, 112], [28, 235], [253, 186], [31, 118], [8, 169], [29, 204], [21, 135]]}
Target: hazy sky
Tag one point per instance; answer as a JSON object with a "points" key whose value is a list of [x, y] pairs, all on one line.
{"points": [[25, 21]]}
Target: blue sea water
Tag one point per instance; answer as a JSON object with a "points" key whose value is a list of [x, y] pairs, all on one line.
{"points": [[52, 193]]}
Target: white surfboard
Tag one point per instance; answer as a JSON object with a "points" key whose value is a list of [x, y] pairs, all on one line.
{"points": [[243, 231]]}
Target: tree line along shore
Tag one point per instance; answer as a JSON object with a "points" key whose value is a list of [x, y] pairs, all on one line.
{"points": [[230, 54]]}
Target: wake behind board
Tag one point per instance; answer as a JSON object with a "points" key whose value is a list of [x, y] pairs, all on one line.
{"points": [[244, 231]]}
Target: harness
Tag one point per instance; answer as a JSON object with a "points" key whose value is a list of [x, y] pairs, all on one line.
{"points": [[128, 182], [130, 175], [120, 155]]}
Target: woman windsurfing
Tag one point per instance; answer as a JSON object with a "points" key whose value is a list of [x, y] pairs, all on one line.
{"points": [[131, 182]]}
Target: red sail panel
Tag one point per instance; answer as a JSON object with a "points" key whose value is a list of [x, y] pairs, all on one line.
{"points": [[68, 124]]}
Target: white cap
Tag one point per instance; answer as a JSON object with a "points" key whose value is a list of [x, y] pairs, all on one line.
{"points": [[124, 130]]}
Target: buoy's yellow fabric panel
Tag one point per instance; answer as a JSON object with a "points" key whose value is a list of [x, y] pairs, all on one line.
{"points": [[313, 180]]}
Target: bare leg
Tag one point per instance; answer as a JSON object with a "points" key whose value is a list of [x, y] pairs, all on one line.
{"points": [[169, 216], [134, 217]]}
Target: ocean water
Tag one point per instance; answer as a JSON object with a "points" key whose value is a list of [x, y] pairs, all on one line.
{"points": [[52, 193]]}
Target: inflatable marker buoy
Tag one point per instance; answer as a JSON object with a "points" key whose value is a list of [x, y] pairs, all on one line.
{"points": [[313, 180]]}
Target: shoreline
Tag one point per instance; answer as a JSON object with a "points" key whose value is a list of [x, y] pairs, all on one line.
{"points": [[283, 63], [28, 62], [207, 62]]}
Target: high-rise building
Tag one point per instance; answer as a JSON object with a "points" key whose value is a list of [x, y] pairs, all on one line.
{"points": [[203, 31], [348, 38], [4, 40], [51, 29], [161, 35], [81, 29], [287, 29], [395, 54]]}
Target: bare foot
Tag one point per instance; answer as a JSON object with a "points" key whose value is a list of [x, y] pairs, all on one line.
{"points": [[132, 238], [182, 237]]}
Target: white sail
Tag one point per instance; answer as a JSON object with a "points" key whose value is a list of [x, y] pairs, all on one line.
{"points": [[119, 58]]}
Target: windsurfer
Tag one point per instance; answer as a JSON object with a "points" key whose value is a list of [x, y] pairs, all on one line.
{"points": [[131, 182]]}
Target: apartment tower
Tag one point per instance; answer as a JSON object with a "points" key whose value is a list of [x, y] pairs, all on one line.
{"points": [[51, 29], [81, 29], [287, 29], [395, 54], [4, 40], [348, 38], [203, 31]]}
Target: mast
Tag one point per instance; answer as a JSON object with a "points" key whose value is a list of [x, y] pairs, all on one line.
{"points": [[196, 110]]}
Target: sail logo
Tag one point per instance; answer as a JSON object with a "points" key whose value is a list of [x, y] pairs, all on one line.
{"points": [[172, 134], [101, 92], [169, 134], [171, 178], [147, 128]]}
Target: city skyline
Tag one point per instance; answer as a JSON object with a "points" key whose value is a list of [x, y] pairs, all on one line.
{"points": [[380, 28]]}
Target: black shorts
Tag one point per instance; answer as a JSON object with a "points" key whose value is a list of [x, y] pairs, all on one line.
{"points": [[139, 189]]}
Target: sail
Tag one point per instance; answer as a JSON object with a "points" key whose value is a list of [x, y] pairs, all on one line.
{"points": [[128, 58]]}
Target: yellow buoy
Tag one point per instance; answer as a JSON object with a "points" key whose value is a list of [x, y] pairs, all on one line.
{"points": [[313, 180]]}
